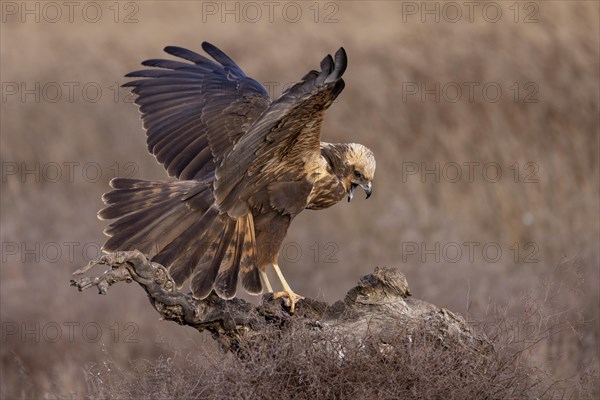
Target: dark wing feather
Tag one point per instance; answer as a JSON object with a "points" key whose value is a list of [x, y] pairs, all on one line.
{"points": [[282, 140], [195, 112]]}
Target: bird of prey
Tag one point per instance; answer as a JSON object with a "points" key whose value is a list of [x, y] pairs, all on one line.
{"points": [[245, 166]]}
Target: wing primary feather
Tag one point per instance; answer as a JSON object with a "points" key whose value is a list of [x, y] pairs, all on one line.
{"points": [[189, 55], [174, 65], [183, 103], [310, 75], [341, 62], [221, 57], [327, 64]]}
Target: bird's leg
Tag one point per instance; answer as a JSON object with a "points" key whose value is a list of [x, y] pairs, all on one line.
{"points": [[265, 280], [287, 291]]}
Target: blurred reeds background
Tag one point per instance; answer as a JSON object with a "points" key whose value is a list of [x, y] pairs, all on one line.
{"points": [[540, 133]]}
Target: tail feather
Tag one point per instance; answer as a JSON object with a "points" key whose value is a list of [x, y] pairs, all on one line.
{"points": [[151, 233], [204, 279], [182, 243], [130, 195], [248, 269], [141, 217], [130, 183], [226, 282], [198, 240], [124, 193], [178, 226]]}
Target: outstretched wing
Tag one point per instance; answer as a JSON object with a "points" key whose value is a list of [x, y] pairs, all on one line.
{"points": [[195, 112], [283, 141]]}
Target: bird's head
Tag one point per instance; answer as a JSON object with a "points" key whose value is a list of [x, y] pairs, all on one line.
{"points": [[360, 169]]}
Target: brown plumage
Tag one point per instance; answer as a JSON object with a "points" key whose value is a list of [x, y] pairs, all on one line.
{"points": [[246, 166]]}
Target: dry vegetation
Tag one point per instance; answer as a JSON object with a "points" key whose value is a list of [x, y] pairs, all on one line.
{"points": [[336, 368], [550, 299]]}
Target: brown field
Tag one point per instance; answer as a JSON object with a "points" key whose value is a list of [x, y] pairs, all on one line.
{"points": [[512, 241]]}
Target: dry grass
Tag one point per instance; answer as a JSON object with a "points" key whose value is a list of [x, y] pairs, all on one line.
{"points": [[559, 213], [417, 366]]}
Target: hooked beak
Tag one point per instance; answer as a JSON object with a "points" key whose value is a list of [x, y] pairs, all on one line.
{"points": [[367, 189], [353, 186]]}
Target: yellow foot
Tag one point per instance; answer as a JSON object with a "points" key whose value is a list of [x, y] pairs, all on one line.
{"points": [[290, 297]]}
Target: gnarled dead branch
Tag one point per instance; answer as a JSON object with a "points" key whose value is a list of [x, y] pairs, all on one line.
{"points": [[380, 304]]}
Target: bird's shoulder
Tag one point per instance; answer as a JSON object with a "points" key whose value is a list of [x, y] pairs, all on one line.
{"points": [[327, 187]]}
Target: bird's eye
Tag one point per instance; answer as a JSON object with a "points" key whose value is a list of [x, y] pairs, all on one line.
{"points": [[358, 174]]}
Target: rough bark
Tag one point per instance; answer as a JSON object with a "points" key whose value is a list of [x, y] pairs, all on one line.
{"points": [[380, 304]]}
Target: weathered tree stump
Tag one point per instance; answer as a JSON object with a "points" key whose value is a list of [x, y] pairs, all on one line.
{"points": [[380, 304]]}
